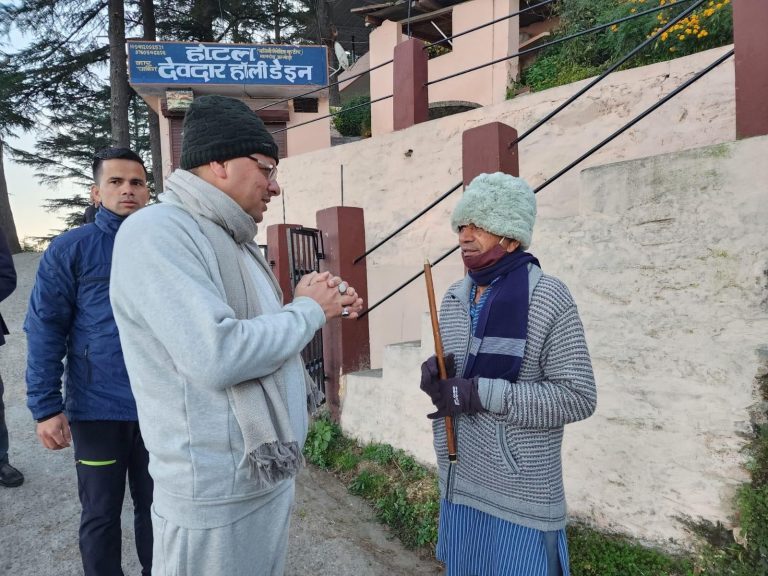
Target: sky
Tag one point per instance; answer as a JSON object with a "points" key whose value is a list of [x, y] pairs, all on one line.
{"points": [[26, 194]]}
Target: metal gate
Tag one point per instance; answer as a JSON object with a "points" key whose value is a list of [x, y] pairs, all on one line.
{"points": [[305, 250]]}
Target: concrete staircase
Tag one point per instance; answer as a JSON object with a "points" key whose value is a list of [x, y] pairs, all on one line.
{"points": [[386, 405]]}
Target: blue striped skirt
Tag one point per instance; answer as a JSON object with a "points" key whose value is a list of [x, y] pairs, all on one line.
{"points": [[473, 543]]}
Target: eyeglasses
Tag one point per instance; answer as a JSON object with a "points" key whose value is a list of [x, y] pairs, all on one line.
{"points": [[269, 169]]}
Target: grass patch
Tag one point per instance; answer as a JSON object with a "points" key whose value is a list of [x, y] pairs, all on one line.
{"points": [[405, 496], [595, 554]]}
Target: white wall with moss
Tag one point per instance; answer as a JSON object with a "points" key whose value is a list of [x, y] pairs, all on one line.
{"points": [[394, 176], [667, 259]]}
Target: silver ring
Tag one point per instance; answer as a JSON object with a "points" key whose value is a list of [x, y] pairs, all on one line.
{"points": [[343, 287], [344, 312]]}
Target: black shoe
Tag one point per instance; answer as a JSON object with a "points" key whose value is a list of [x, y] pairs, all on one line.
{"points": [[10, 477]]}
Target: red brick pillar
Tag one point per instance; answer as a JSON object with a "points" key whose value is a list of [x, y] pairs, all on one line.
{"points": [[410, 100], [346, 343], [750, 42], [486, 149], [279, 258]]}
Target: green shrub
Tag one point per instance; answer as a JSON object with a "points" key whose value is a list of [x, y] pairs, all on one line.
{"points": [[319, 439], [596, 554], [405, 496], [709, 26], [354, 122], [380, 453]]}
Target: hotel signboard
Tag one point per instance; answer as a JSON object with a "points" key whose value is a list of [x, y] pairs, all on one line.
{"points": [[194, 63]]}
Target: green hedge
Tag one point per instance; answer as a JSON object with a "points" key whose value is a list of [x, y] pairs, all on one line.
{"points": [[405, 496], [709, 26], [355, 122]]}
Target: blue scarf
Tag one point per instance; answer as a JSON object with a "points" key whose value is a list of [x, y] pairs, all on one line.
{"points": [[498, 341]]}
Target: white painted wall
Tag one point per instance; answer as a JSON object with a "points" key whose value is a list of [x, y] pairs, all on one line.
{"points": [[484, 86], [395, 175], [667, 259]]}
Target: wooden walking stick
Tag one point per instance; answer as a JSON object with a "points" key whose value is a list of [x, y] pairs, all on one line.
{"points": [[450, 436]]}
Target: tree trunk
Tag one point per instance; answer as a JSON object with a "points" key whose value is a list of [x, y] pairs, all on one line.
{"points": [[150, 33], [276, 14], [204, 12], [118, 75], [327, 34], [6, 216]]}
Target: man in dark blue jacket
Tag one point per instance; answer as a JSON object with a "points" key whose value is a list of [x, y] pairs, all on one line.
{"points": [[9, 476], [70, 317]]}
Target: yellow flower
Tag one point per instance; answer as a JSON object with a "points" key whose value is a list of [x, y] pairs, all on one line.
{"points": [[633, 10], [614, 28], [672, 48], [688, 31], [664, 37], [703, 33], [681, 37], [662, 2], [718, 5]]}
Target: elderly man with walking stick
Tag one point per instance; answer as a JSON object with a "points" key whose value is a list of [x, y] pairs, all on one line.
{"points": [[517, 369]]}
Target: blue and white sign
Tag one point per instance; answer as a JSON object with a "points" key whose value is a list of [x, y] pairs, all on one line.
{"points": [[178, 63]]}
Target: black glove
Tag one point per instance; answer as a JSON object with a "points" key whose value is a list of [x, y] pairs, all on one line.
{"points": [[456, 396], [430, 375]]}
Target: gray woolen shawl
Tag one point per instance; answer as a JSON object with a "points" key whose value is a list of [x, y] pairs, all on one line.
{"points": [[259, 404]]}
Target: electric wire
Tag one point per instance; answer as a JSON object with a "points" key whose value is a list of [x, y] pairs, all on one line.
{"points": [[554, 42], [492, 22], [605, 73], [580, 159], [331, 114]]}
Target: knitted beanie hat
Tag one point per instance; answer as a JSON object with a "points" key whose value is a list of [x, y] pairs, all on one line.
{"points": [[218, 128], [500, 204]]}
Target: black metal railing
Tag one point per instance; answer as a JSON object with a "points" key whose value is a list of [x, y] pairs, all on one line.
{"points": [[533, 49], [491, 23], [580, 159], [408, 223]]}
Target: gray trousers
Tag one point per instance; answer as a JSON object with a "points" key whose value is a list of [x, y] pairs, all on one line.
{"points": [[255, 545]]}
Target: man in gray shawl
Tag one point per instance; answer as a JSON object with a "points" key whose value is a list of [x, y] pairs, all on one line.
{"points": [[213, 355]]}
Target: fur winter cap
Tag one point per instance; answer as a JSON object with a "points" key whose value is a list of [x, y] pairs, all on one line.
{"points": [[218, 128], [500, 204]]}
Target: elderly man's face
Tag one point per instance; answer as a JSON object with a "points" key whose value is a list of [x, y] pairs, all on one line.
{"points": [[248, 184], [474, 241]]}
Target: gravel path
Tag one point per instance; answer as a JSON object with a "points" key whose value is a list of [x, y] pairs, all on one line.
{"points": [[332, 532]]}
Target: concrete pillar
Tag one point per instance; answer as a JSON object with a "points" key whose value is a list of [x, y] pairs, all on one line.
{"points": [[410, 99], [485, 149], [750, 21], [346, 343], [279, 258], [382, 42]]}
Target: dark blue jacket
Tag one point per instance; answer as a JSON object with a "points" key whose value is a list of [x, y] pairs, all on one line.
{"points": [[7, 279], [70, 315]]}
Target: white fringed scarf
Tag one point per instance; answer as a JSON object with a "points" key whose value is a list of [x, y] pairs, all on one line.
{"points": [[259, 405]]}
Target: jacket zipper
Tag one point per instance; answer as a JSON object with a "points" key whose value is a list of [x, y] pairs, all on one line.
{"points": [[88, 366]]}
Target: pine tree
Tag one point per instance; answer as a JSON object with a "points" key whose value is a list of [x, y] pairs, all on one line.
{"points": [[246, 21], [65, 149]]}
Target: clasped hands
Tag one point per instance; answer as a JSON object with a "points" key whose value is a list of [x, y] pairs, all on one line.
{"points": [[452, 396], [335, 297]]}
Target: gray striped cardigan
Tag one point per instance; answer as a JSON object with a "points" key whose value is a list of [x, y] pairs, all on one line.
{"points": [[509, 457]]}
